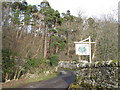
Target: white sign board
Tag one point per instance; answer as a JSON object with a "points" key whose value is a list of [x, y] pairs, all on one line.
{"points": [[82, 49]]}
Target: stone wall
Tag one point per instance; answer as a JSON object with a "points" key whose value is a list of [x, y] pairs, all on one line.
{"points": [[97, 74]]}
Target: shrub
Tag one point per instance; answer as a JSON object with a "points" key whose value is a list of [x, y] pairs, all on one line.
{"points": [[8, 64], [54, 60], [31, 63]]}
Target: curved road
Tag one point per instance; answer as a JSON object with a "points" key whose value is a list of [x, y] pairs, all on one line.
{"points": [[62, 81]]}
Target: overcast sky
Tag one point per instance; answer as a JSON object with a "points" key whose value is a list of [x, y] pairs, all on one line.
{"points": [[90, 8]]}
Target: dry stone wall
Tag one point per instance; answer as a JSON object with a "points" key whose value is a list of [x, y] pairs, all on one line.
{"points": [[97, 74]]}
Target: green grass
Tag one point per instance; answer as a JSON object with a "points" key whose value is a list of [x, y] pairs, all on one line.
{"points": [[42, 77], [115, 61]]}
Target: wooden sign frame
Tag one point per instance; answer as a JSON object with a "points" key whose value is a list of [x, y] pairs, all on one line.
{"points": [[89, 42]]}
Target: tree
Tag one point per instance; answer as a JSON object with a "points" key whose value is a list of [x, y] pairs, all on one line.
{"points": [[6, 12], [51, 19], [68, 19]]}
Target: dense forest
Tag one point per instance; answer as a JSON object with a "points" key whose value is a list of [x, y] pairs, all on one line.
{"points": [[39, 36]]}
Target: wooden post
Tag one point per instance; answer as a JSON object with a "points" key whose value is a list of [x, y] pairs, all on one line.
{"points": [[90, 48], [79, 57]]}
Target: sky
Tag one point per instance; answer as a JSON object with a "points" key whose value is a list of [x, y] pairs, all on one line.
{"points": [[89, 8]]}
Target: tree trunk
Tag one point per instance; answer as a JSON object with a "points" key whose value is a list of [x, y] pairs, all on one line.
{"points": [[50, 41], [7, 77], [68, 44], [17, 32], [15, 75], [57, 48], [22, 30], [27, 54], [36, 52], [68, 49], [18, 75], [45, 43]]}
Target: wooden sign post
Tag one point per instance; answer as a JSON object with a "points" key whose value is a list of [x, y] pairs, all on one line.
{"points": [[84, 48]]}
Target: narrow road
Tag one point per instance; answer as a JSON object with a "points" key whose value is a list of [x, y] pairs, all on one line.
{"points": [[62, 81]]}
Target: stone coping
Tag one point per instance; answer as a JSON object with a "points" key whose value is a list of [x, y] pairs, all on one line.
{"points": [[78, 64]]}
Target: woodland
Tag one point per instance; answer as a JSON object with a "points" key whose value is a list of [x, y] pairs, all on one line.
{"points": [[38, 37]]}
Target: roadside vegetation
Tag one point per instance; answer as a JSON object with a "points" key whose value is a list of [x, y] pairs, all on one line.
{"points": [[28, 80], [35, 38]]}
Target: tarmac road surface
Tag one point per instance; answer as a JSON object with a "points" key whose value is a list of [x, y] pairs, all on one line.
{"points": [[61, 82]]}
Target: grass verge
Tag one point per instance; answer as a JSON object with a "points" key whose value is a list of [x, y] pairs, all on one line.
{"points": [[20, 82]]}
